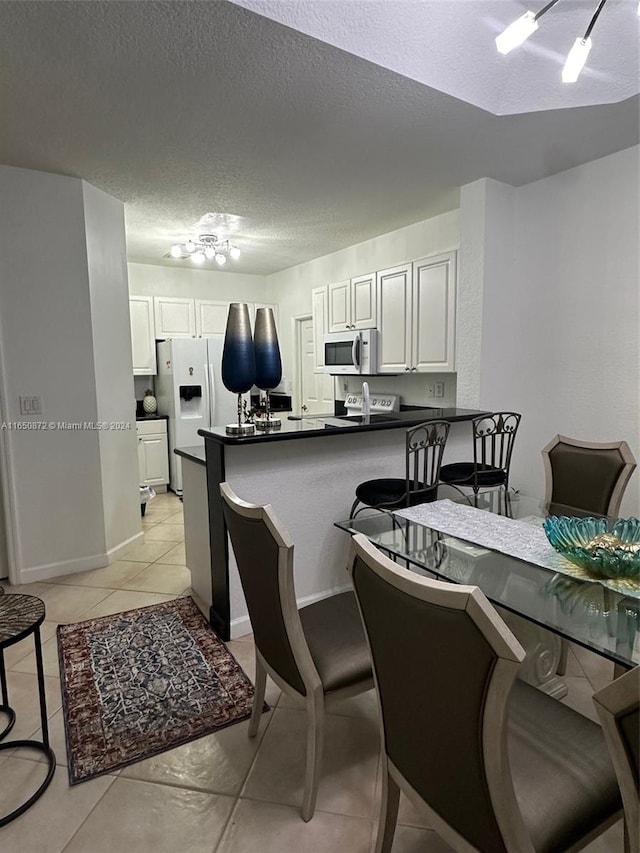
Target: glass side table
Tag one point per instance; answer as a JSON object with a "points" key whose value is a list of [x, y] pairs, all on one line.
{"points": [[21, 615]]}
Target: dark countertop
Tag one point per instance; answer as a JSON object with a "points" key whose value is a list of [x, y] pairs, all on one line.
{"points": [[325, 425], [154, 417], [194, 454]]}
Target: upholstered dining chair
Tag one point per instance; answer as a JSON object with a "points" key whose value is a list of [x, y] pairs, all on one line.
{"points": [[586, 478], [493, 438], [618, 706], [496, 765], [424, 446], [316, 653]]}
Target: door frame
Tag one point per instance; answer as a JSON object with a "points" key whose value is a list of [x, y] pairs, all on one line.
{"points": [[296, 326], [7, 483]]}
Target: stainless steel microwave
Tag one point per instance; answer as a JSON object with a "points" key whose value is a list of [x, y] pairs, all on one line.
{"points": [[351, 352]]}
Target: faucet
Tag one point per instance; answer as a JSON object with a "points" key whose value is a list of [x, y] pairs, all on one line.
{"points": [[366, 400]]}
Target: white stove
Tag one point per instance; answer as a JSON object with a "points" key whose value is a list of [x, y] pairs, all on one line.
{"points": [[380, 404]]}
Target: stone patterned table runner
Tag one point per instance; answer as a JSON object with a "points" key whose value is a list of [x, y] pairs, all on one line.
{"points": [[515, 538]]}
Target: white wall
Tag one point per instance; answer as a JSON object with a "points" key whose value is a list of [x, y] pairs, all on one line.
{"points": [[560, 291], [291, 288], [54, 476], [151, 280], [109, 295]]}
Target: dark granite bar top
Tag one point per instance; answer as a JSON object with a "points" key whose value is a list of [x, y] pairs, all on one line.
{"points": [[316, 426], [194, 454], [153, 417]]}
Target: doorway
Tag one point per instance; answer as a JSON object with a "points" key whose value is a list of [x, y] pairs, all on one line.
{"points": [[314, 390]]}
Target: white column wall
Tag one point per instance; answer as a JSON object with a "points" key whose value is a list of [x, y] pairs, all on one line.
{"points": [[109, 295], [54, 498], [559, 277]]}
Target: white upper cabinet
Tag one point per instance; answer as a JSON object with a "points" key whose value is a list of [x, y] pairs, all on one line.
{"points": [[319, 309], [434, 313], [211, 317], [143, 344], [175, 317], [416, 316], [352, 303], [394, 319]]}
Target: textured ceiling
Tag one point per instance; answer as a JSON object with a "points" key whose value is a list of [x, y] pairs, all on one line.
{"points": [[450, 45], [182, 108]]}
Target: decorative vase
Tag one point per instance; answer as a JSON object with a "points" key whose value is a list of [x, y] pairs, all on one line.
{"points": [[268, 361], [149, 402], [238, 360]]}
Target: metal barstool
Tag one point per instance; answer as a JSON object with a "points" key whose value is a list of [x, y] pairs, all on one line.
{"points": [[21, 615]]}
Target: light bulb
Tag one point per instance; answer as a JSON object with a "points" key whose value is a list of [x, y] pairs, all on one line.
{"points": [[210, 253], [234, 251], [221, 259], [176, 251], [190, 246], [198, 258], [576, 60], [516, 33]]}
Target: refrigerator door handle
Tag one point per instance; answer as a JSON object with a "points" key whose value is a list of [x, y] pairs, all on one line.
{"points": [[212, 393]]}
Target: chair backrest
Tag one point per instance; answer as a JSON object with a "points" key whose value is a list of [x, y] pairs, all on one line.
{"points": [[493, 439], [586, 478], [618, 706], [264, 555], [425, 445], [444, 663]]}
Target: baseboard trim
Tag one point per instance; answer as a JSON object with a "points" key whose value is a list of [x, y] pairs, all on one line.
{"points": [[68, 567], [114, 554], [242, 625]]}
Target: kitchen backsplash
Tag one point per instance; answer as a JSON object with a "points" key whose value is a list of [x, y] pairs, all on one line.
{"points": [[416, 390], [140, 384]]}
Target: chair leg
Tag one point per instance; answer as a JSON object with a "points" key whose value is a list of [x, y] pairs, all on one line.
{"points": [[258, 698], [388, 812], [561, 669], [353, 507], [315, 741]]}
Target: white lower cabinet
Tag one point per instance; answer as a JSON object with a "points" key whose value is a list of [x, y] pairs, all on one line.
{"points": [[153, 452]]}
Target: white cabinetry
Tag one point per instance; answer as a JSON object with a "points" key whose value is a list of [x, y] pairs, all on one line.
{"points": [[143, 345], [175, 317], [153, 455], [352, 303], [211, 317], [416, 316]]}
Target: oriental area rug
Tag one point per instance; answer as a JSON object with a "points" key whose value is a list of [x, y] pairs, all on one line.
{"points": [[138, 683]]}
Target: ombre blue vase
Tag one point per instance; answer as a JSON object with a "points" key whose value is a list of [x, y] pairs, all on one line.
{"points": [[238, 360], [268, 361]]}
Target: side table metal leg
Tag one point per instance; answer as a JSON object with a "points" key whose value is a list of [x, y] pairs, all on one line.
{"points": [[4, 705], [41, 693]]}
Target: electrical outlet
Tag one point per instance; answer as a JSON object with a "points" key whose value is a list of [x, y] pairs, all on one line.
{"points": [[430, 391], [30, 405], [439, 389]]}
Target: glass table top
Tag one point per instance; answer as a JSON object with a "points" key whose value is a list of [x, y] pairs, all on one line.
{"points": [[586, 613]]}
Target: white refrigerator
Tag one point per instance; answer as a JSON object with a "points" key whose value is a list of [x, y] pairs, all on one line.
{"points": [[189, 390]]}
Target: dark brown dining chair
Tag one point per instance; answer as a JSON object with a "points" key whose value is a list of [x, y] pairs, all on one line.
{"points": [[496, 765], [618, 706], [584, 477], [493, 439], [424, 446], [314, 654]]}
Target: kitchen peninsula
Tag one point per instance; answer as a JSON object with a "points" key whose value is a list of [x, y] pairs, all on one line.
{"points": [[308, 470]]}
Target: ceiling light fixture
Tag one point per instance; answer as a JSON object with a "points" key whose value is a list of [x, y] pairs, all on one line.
{"points": [[520, 30], [206, 247]]}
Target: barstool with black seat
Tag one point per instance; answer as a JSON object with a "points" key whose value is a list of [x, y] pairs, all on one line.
{"points": [[493, 438], [21, 615], [424, 447]]}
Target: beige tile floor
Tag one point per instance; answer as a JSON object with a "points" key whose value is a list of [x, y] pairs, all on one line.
{"points": [[222, 793]]}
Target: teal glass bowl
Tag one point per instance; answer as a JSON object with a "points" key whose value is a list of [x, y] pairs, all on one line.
{"points": [[606, 549]]}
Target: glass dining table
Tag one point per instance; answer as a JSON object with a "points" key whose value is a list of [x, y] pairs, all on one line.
{"points": [[580, 611]]}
